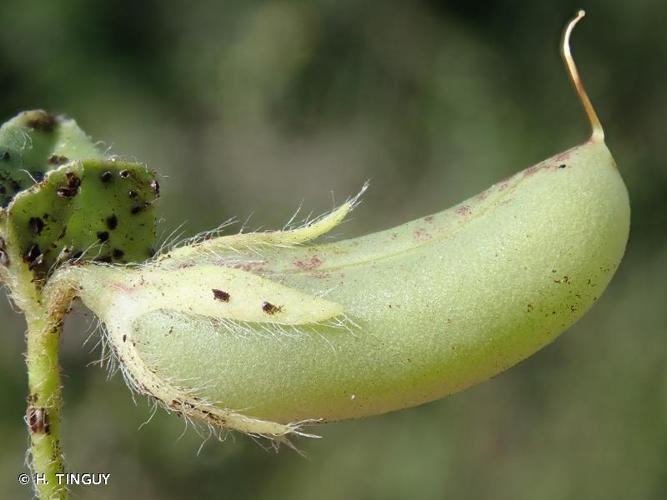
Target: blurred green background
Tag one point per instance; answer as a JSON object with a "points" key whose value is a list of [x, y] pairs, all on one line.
{"points": [[251, 107]]}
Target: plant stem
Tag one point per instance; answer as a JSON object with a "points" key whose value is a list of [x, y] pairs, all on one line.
{"points": [[45, 400]]}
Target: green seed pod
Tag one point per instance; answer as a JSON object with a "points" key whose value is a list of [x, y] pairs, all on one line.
{"points": [[65, 202], [258, 332]]}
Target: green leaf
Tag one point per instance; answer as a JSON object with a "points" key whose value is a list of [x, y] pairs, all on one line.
{"points": [[92, 209], [35, 142]]}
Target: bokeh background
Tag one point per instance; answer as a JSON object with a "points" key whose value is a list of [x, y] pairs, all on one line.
{"points": [[253, 107]]}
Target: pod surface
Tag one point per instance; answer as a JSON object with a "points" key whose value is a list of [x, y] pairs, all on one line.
{"points": [[439, 303]]}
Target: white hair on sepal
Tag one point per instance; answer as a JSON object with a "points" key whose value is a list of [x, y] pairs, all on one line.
{"points": [[290, 236], [154, 407], [171, 240], [199, 238], [271, 329], [12, 299], [193, 407], [288, 225], [94, 325], [170, 394]]}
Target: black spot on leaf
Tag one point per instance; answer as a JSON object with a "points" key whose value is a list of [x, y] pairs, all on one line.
{"points": [[57, 160], [42, 121], [139, 208], [36, 225], [112, 222], [4, 258], [72, 188], [32, 254]]}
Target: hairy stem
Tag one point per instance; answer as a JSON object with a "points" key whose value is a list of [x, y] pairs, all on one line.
{"points": [[45, 399]]}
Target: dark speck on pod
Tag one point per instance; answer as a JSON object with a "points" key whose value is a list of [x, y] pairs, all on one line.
{"points": [[562, 166], [269, 308], [220, 295], [36, 225], [117, 253], [103, 236], [5, 156], [112, 222], [132, 194], [124, 174], [106, 177]]}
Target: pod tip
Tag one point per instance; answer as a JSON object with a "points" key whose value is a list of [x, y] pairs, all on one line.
{"points": [[597, 134]]}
